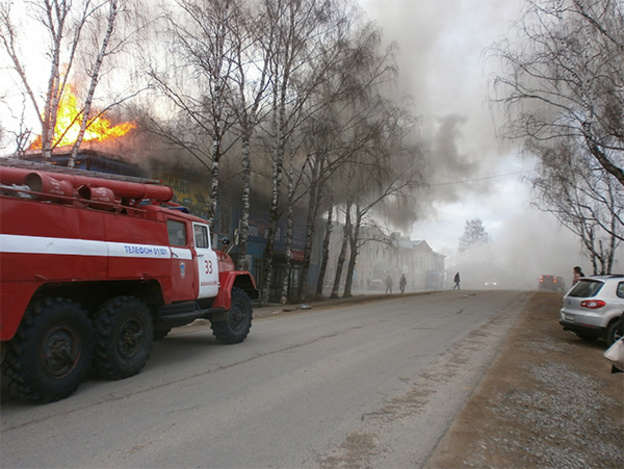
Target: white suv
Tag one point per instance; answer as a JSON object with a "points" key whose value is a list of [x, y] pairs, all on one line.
{"points": [[593, 308]]}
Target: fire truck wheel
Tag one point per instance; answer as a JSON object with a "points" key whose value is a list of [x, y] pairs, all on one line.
{"points": [[123, 338], [50, 354], [235, 328]]}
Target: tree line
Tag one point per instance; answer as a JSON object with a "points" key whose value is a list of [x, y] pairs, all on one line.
{"points": [[561, 83], [298, 89], [300, 95]]}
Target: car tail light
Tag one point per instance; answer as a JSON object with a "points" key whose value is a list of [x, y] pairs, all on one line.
{"points": [[592, 304]]}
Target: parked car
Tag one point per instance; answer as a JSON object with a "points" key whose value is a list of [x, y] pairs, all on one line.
{"points": [[552, 282], [593, 308]]}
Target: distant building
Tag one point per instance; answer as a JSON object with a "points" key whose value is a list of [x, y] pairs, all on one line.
{"points": [[381, 255]]}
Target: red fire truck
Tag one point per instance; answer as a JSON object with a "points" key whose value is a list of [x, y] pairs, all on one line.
{"points": [[93, 268]]}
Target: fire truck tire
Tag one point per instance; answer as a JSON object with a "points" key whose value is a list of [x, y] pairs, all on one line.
{"points": [[235, 328], [123, 338], [51, 352]]}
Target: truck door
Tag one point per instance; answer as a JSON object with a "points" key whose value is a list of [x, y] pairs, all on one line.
{"points": [[183, 281], [206, 262]]}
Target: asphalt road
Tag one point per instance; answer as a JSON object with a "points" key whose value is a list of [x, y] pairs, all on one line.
{"points": [[374, 384]]}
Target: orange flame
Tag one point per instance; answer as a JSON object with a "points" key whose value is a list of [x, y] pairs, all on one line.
{"points": [[68, 120]]}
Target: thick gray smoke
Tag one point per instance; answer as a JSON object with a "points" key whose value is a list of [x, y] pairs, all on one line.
{"points": [[443, 68]]}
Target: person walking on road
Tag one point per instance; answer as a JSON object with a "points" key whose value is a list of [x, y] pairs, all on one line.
{"points": [[402, 283], [389, 284], [456, 279]]}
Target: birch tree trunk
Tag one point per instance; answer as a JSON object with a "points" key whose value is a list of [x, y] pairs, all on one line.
{"points": [[204, 45], [277, 166], [325, 252], [64, 33], [95, 76], [346, 233], [353, 253], [242, 263], [313, 201], [254, 33], [217, 109], [289, 236]]}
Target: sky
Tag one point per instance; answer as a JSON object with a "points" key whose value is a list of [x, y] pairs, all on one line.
{"points": [[472, 173]]}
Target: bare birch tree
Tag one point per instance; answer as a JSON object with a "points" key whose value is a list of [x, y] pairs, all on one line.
{"points": [[198, 83], [585, 200], [73, 31], [302, 28], [94, 70], [565, 77], [253, 49], [360, 66], [474, 235], [387, 172], [563, 89]]}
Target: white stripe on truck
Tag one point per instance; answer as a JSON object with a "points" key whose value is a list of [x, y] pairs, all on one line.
{"points": [[87, 247]]}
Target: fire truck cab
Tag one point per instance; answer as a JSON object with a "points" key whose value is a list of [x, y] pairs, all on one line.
{"points": [[93, 269]]}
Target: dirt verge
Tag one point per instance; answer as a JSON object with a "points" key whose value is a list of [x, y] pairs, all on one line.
{"points": [[548, 400]]}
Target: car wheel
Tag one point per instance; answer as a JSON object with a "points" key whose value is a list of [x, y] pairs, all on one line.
{"points": [[613, 332]]}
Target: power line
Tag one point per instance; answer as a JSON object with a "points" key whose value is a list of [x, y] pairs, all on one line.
{"points": [[479, 179]]}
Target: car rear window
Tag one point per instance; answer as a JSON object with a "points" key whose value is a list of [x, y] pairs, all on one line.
{"points": [[586, 288]]}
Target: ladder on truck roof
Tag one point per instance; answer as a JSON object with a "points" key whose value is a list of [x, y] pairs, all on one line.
{"points": [[52, 168]]}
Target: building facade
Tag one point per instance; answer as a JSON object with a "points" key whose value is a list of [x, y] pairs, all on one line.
{"points": [[380, 256]]}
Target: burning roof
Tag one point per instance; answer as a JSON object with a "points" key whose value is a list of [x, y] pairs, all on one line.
{"points": [[90, 160], [68, 120]]}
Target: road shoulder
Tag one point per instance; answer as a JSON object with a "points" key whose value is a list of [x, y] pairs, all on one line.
{"points": [[548, 400]]}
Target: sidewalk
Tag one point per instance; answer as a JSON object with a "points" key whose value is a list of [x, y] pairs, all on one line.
{"points": [[273, 309]]}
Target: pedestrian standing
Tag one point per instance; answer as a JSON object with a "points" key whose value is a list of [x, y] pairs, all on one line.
{"points": [[389, 284], [577, 274]]}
